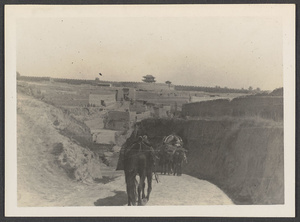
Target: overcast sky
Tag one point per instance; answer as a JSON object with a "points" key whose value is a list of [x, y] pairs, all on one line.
{"points": [[226, 51]]}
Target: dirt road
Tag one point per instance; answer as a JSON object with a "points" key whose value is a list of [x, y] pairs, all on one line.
{"points": [[41, 182], [172, 190]]}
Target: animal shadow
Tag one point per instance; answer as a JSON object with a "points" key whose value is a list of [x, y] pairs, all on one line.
{"points": [[119, 199]]}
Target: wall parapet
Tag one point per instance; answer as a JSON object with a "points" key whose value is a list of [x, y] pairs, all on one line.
{"points": [[135, 84]]}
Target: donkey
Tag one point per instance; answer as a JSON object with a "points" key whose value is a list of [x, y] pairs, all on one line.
{"points": [[138, 162], [178, 158]]}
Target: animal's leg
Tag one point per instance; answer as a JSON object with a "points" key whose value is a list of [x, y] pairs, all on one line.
{"points": [[143, 191], [130, 187], [127, 188], [140, 188], [128, 195], [180, 169], [175, 169], [139, 193], [168, 168], [149, 181]]}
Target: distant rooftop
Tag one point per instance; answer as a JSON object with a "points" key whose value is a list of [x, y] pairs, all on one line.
{"points": [[148, 76]]}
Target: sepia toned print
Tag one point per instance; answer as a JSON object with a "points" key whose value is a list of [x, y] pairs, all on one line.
{"points": [[119, 110]]}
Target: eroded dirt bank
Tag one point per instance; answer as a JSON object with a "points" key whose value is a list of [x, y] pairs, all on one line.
{"points": [[243, 157]]}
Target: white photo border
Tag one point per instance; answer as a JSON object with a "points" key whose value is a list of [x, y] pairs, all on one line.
{"points": [[285, 11]]}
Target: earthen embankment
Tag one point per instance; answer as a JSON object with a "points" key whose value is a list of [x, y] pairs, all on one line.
{"points": [[244, 157]]}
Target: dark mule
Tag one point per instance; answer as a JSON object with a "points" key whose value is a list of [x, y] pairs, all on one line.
{"points": [[138, 161], [178, 158], [166, 159]]}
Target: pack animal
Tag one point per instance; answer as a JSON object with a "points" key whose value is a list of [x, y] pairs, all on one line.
{"points": [[138, 162], [166, 160], [178, 158]]}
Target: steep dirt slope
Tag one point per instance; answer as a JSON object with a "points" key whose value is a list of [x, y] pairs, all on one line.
{"points": [[243, 157], [48, 160]]}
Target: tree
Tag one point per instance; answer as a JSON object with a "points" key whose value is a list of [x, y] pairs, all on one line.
{"points": [[168, 83], [97, 79], [149, 79], [250, 88]]}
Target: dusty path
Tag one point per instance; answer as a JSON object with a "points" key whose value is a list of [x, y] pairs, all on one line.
{"points": [[172, 190], [42, 183], [186, 190]]}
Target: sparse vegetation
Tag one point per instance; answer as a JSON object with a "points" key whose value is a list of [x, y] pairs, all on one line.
{"points": [[277, 92], [168, 83]]}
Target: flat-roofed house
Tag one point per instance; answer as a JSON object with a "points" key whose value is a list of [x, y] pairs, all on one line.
{"points": [[117, 120], [125, 94], [101, 100]]}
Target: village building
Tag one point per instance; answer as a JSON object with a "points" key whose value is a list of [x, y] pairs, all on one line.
{"points": [[117, 120], [153, 87], [155, 112], [149, 79], [101, 100], [164, 111], [125, 94], [102, 84], [137, 106]]}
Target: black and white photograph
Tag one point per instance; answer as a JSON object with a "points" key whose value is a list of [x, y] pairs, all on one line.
{"points": [[150, 110]]}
